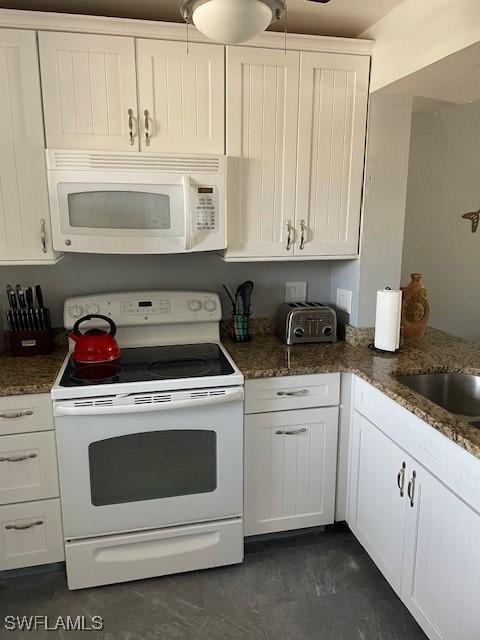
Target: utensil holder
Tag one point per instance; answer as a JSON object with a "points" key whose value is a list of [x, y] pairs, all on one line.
{"points": [[30, 343], [239, 328]]}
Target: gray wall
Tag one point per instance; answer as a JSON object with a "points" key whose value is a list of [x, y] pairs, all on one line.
{"points": [[443, 184], [383, 216], [84, 273]]}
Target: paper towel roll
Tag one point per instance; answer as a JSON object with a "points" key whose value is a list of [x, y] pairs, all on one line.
{"points": [[387, 319]]}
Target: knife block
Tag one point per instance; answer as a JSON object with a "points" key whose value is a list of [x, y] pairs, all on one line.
{"points": [[30, 343]]}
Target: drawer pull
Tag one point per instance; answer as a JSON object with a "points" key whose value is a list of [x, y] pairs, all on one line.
{"points": [[27, 525], [291, 433], [300, 392], [28, 456], [15, 414]]}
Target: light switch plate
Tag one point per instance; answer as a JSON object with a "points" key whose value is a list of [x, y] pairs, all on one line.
{"points": [[295, 291], [344, 300]]}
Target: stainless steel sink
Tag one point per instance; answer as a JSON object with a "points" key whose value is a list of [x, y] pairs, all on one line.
{"points": [[458, 393]]}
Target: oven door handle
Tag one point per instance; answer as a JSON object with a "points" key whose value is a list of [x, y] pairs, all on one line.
{"points": [[230, 395]]}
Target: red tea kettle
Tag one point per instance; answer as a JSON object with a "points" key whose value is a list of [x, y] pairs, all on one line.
{"points": [[95, 345]]}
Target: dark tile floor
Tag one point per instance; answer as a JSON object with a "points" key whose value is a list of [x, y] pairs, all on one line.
{"points": [[320, 586]]}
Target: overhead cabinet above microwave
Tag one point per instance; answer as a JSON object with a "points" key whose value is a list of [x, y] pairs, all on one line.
{"points": [[115, 93]]}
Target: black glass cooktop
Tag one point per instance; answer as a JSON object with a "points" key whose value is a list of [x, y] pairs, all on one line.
{"points": [[151, 363]]}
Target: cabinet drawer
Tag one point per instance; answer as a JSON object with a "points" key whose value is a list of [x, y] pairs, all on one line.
{"points": [[23, 414], [28, 467], [31, 534], [292, 392]]}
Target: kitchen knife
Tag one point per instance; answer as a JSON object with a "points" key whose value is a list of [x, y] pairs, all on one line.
{"points": [[30, 310], [25, 324], [39, 296]]}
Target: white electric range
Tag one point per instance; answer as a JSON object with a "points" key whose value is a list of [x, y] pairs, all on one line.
{"points": [[150, 450]]}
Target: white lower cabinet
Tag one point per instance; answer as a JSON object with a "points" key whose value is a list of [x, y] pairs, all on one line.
{"points": [[30, 517], [441, 578], [420, 526], [290, 469], [377, 516]]}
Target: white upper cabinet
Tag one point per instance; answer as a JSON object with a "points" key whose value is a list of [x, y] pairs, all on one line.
{"points": [[262, 119], [90, 94], [89, 91], [296, 127], [331, 149], [180, 97], [24, 210]]}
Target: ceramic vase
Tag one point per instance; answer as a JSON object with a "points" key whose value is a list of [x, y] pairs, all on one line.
{"points": [[415, 308]]}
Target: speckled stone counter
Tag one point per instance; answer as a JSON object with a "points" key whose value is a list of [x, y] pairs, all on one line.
{"points": [[266, 356], [31, 375]]}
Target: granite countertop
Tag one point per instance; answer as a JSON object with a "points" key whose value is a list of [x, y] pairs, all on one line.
{"points": [[266, 356], [35, 374]]}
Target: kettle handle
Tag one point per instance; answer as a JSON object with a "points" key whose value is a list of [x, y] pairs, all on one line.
{"points": [[113, 326]]}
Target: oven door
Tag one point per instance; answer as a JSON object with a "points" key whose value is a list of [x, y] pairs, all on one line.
{"points": [[120, 212], [150, 460]]}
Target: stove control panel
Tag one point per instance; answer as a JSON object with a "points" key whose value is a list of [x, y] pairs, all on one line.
{"points": [[145, 307]]}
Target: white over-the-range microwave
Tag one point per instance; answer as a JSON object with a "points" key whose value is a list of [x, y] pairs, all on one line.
{"points": [[133, 202]]}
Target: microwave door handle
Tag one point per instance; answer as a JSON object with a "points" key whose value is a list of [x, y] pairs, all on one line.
{"points": [[188, 212], [229, 396]]}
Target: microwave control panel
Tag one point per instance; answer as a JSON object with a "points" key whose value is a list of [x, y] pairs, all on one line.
{"points": [[205, 208]]}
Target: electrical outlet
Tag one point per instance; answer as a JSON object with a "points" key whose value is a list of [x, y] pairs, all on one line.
{"points": [[344, 300], [295, 291]]}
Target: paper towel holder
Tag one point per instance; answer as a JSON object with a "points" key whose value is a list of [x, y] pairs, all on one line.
{"points": [[383, 352]]}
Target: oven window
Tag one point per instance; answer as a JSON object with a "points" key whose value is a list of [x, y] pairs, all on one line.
{"points": [[119, 210], [148, 466]]}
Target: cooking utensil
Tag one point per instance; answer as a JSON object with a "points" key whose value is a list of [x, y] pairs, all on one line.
{"points": [[30, 310], [230, 297], [95, 345], [246, 294]]}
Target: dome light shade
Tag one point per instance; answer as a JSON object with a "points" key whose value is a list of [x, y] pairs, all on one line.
{"points": [[232, 21]]}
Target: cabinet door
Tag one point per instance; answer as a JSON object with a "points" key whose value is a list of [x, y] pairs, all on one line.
{"points": [[24, 209], [441, 580], [377, 508], [331, 149], [262, 117], [89, 86], [290, 468], [181, 97]]}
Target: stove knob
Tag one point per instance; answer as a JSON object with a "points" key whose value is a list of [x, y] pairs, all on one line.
{"points": [[299, 332], [75, 311], [194, 305], [327, 331], [92, 308], [210, 305]]}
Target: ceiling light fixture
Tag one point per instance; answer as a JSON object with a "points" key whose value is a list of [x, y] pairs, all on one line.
{"points": [[231, 21]]}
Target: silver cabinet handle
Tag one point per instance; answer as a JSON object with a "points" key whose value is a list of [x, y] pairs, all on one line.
{"points": [[295, 432], [147, 128], [43, 235], [303, 229], [130, 126], [27, 456], [27, 525], [289, 236], [8, 415], [299, 392], [401, 479], [411, 489]]}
